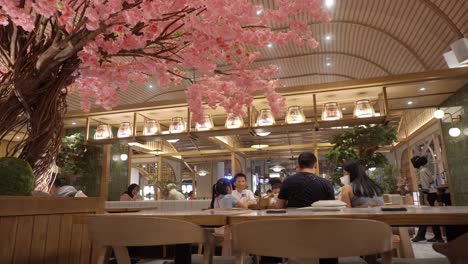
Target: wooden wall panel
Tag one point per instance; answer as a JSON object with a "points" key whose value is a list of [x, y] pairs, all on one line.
{"points": [[23, 239], [65, 239], [8, 227], [53, 236], [39, 237]]}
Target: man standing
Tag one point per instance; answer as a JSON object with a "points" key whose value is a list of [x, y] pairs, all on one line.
{"points": [[304, 188]]}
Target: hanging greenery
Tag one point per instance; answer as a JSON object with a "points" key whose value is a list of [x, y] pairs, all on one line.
{"points": [[361, 143]]}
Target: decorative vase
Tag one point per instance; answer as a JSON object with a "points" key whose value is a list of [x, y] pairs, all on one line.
{"points": [[206, 125], [234, 121], [295, 115], [125, 130], [331, 111], [151, 127], [265, 118], [177, 125], [363, 109], [103, 132]]}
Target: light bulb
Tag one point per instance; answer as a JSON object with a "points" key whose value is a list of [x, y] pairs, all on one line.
{"points": [[454, 132], [123, 157], [439, 114]]}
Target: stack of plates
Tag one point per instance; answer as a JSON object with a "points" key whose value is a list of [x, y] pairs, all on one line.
{"points": [[326, 205]]}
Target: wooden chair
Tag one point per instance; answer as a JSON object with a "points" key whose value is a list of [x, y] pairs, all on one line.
{"points": [[455, 250], [119, 232], [310, 239]]}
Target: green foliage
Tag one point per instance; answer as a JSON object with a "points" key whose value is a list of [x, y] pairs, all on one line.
{"points": [[360, 144], [80, 162], [386, 177], [16, 177]]}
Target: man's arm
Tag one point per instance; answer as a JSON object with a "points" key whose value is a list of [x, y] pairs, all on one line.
{"points": [[280, 204]]}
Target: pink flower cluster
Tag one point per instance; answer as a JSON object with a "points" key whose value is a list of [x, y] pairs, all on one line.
{"points": [[169, 40]]}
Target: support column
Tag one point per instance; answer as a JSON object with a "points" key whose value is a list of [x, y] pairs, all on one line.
{"points": [[105, 172], [129, 165], [159, 196], [317, 170], [233, 164]]}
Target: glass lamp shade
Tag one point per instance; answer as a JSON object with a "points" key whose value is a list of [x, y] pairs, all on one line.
{"points": [[331, 111], [295, 115], [265, 118], [151, 127], [363, 109], [234, 121], [125, 130], [206, 125], [177, 125], [103, 132]]}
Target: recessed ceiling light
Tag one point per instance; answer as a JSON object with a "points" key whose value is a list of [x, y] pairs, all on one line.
{"points": [[328, 37], [17, 137], [73, 123], [259, 11], [328, 64], [343, 109], [150, 86], [329, 3], [270, 45], [422, 89], [259, 146], [410, 102]]}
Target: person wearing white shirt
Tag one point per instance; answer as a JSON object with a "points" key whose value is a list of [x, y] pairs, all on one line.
{"points": [[241, 192], [174, 194]]}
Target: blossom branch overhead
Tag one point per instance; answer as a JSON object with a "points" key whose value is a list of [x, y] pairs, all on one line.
{"points": [[121, 41]]}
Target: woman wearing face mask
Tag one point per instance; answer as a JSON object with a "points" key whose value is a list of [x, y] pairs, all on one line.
{"points": [[359, 190]]}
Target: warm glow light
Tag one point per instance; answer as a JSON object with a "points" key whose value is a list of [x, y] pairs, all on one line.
{"points": [[73, 123], [259, 146], [265, 118], [270, 45], [422, 89], [202, 173], [123, 157], [329, 3], [410, 102], [328, 37], [125, 130], [454, 132], [372, 169], [439, 114], [328, 64], [295, 115], [263, 134], [172, 140], [277, 168]]}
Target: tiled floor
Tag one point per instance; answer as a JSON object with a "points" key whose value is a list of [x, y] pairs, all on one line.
{"points": [[424, 250]]}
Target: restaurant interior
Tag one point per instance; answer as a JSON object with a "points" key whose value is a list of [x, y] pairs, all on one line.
{"points": [[387, 83]]}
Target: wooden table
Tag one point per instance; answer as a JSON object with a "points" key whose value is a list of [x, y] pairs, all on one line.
{"points": [[415, 216]]}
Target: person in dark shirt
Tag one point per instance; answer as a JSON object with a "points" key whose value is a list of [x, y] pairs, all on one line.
{"points": [[304, 188]]}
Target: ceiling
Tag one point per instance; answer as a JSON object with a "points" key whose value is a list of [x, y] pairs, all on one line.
{"points": [[368, 39]]}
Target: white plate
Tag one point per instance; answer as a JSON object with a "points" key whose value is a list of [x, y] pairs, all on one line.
{"points": [[323, 208]]}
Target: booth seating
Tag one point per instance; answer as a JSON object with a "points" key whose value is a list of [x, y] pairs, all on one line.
{"points": [[160, 205], [46, 229]]}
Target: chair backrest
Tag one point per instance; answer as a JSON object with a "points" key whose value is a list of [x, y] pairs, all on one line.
{"points": [[454, 250], [119, 232], [312, 238]]}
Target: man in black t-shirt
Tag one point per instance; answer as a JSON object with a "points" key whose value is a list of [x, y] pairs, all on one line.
{"points": [[304, 188]]}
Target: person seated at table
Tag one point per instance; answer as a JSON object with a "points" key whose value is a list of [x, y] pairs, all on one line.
{"points": [[358, 189], [241, 192], [222, 196], [173, 193], [60, 189], [304, 188], [132, 193]]}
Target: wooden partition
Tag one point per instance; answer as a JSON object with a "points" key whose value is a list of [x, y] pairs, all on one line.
{"points": [[45, 229]]}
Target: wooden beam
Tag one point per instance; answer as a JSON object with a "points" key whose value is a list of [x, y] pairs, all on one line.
{"points": [[233, 163], [129, 165], [195, 153], [105, 172]]}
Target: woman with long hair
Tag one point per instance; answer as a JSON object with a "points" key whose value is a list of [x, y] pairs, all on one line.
{"points": [[131, 194], [359, 190], [222, 197]]}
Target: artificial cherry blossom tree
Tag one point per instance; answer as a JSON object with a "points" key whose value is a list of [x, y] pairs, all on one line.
{"points": [[49, 48]]}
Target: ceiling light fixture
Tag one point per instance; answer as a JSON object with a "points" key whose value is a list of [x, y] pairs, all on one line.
{"points": [[17, 137], [439, 114], [329, 3], [123, 157], [270, 45], [328, 37], [422, 89], [263, 134], [150, 86], [172, 140], [454, 132], [202, 173], [73, 123], [259, 146], [259, 11], [410, 102], [328, 64]]}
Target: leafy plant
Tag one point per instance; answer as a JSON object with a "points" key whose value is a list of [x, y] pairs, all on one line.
{"points": [[16, 177], [80, 162], [386, 178], [361, 143], [160, 184]]}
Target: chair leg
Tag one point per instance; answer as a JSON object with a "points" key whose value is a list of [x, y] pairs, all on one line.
{"points": [[227, 242], [240, 258], [121, 253], [208, 251], [387, 257]]}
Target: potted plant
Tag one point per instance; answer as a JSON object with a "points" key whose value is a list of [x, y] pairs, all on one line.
{"points": [[16, 177]]}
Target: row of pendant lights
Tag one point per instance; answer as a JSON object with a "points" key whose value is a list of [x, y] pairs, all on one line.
{"points": [[295, 115]]}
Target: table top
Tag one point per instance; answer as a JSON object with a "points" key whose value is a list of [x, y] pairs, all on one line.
{"points": [[414, 216]]}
